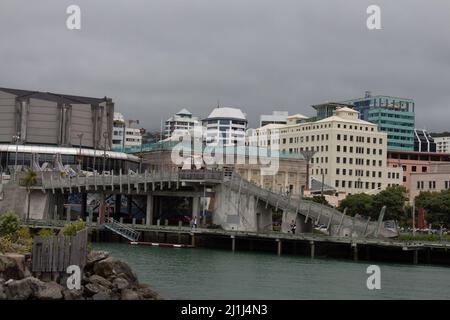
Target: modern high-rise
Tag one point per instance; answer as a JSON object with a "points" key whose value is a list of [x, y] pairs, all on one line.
{"points": [[423, 141], [225, 126], [181, 122], [393, 115], [277, 117], [349, 152], [442, 144]]}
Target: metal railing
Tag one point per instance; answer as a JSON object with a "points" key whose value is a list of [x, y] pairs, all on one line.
{"points": [[335, 221], [122, 230]]}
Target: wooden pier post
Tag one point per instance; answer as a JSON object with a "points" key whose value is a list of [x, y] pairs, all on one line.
{"points": [[193, 239], [355, 251], [415, 256], [233, 243], [312, 246], [279, 247]]}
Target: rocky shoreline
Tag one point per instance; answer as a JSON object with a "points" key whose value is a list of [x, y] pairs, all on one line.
{"points": [[104, 278]]}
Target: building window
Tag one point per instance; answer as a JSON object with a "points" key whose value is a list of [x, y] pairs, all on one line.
{"points": [[413, 168]]}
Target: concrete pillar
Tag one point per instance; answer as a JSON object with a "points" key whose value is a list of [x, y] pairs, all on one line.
{"points": [[83, 211], [149, 212], [233, 243], [118, 206], [415, 256], [279, 247], [312, 245], [129, 204], [102, 208], [195, 206], [193, 239], [68, 209], [133, 221]]}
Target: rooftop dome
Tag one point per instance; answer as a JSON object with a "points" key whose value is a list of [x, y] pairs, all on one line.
{"points": [[228, 113]]}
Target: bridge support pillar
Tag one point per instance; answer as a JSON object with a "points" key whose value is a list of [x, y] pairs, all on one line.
{"points": [[129, 205], [312, 246], [149, 212], [118, 206], [83, 205], [233, 243], [279, 247], [195, 206]]}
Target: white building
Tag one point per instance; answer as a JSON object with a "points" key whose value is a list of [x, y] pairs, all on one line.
{"points": [[349, 152], [277, 117], [124, 135], [442, 144], [225, 126], [182, 121]]}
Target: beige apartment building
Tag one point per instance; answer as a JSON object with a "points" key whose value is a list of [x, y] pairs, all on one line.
{"points": [[437, 178], [350, 154]]}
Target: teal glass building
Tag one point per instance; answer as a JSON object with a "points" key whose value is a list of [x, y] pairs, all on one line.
{"points": [[393, 115]]}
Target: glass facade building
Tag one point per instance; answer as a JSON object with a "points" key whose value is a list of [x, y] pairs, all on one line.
{"points": [[393, 115]]}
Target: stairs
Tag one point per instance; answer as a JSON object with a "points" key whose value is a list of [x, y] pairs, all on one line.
{"points": [[122, 230]]}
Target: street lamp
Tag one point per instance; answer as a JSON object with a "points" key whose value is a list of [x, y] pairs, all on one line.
{"points": [[307, 155], [80, 159], [323, 180], [16, 138], [105, 136]]}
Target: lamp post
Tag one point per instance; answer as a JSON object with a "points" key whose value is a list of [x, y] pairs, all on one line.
{"points": [[105, 136], [80, 159], [16, 139], [307, 155]]}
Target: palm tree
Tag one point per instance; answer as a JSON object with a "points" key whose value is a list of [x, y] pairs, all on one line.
{"points": [[29, 180]]}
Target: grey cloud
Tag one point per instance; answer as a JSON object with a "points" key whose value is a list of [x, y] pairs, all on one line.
{"points": [[155, 57]]}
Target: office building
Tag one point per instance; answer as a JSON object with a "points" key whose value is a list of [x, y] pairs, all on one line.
{"points": [[442, 144], [225, 126], [179, 122], [125, 134], [349, 152], [393, 115], [423, 142], [277, 117]]}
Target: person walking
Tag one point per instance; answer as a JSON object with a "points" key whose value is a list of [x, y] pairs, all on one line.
{"points": [[194, 222], [293, 227]]}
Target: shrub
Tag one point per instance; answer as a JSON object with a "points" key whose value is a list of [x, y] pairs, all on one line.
{"points": [[71, 229], [6, 245], [9, 224], [46, 233]]}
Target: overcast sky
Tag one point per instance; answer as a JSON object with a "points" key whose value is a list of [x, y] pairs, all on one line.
{"points": [[154, 57]]}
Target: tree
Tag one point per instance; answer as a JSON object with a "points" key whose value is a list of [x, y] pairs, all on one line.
{"points": [[359, 203], [29, 180], [437, 206], [394, 198]]}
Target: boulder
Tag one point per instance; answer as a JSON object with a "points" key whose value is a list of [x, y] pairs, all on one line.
{"points": [[96, 256], [146, 293], [111, 267], [120, 283], [93, 288], [23, 289], [96, 279], [13, 266], [2, 290], [73, 294], [49, 291], [128, 294], [103, 295]]}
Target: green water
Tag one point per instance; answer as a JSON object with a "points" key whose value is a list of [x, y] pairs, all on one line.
{"points": [[216, 274]]}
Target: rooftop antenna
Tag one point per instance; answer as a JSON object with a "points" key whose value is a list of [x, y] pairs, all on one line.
{"points": [[218, 103]]}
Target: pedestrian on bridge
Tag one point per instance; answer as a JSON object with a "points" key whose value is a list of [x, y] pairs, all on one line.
{"points": [[194, 222], [293, 227]]}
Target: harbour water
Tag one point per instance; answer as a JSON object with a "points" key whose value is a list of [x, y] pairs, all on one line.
{"points": [[218, 274]]}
